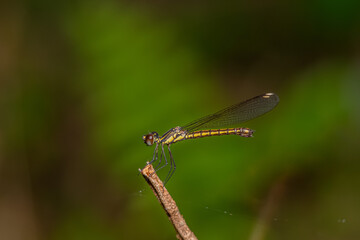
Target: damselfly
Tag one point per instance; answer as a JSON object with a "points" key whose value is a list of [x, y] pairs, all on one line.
{"points": [[232, 115]]}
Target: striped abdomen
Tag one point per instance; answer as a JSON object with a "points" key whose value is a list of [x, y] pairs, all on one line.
{"points": [[244, 132]]}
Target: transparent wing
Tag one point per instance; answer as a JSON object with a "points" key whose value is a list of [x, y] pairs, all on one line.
{"points": [[236, 114]]}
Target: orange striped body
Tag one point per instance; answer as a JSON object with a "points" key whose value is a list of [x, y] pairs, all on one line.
{"points": [[177, 134], [244, 132]]}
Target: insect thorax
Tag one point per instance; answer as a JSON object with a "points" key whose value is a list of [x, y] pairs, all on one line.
{"points": [[173, 135]]}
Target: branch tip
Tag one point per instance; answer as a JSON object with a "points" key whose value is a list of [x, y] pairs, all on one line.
{"points": [[168, 203]]}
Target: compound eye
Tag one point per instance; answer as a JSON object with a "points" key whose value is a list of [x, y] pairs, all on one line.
{"points": [[148, 139]]}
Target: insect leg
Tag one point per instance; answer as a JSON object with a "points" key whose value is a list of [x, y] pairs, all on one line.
{"points": [[172, 167], [160, 159], [155, 155], [162, 153]]}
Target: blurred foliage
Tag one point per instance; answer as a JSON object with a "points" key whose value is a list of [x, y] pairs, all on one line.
{"points": [[83, 81]]}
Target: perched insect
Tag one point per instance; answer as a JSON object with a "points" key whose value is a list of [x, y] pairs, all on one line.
{"points": [[232, 115]]}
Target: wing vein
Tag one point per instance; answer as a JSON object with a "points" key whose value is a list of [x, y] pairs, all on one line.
{"points": [[236, 114]]}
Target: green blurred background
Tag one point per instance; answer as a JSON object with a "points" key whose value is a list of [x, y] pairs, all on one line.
{"points": [[82, 81]]}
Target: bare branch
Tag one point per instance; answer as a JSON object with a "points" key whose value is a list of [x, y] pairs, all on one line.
{"points": [[169, 205]]}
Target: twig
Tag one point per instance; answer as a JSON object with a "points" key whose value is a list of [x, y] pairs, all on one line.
{"points": [[169, 205]]}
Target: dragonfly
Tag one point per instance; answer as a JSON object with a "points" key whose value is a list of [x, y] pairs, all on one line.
{"points": [[210, 125]]}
